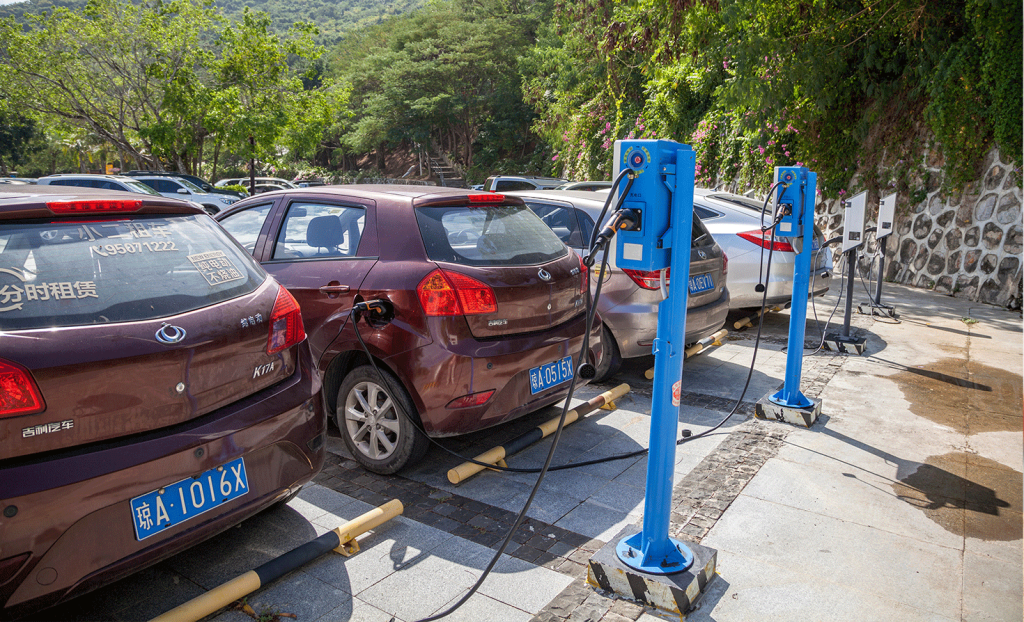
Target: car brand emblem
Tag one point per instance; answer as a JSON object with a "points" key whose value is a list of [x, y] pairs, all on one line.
{"points": [[544, 274], [702, 254], [170, 334]]}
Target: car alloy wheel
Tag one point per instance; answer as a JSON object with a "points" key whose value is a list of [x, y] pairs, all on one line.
{"points": [[373, 421]]}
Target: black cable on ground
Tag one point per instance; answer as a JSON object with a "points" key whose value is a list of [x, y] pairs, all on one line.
{"points": [[572, 385]]}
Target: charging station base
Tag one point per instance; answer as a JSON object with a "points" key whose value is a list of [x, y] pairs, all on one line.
{"points": [[765, 408], [674, 593], [846, 345], [879, 310]]}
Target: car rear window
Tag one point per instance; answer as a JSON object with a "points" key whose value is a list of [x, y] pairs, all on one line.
{"points": [[510, 235], [70, 273]]}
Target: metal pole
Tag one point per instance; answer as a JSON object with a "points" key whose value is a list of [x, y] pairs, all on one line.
{"points": [[252, 165], [851, 259], [881, 271]]}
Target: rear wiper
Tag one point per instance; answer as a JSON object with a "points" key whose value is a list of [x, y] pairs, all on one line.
{"points": [[699, 238]]}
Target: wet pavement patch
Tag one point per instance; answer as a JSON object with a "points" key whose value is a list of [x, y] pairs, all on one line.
{"points": [[968, 495], [969, 397]]}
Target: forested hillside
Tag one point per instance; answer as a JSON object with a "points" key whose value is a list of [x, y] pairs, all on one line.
{"points": [[332, 17], [868, 93]]}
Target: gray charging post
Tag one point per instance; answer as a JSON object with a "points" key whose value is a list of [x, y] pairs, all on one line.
{"points": [[854, 225]]}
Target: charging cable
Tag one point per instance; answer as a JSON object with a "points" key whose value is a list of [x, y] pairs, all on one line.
{"points": [[621, 219]]}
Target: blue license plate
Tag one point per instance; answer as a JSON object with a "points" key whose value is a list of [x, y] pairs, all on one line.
{"points": [[182, 501], [547, 376], [701, 283]]}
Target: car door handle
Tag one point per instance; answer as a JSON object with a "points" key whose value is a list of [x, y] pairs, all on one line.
{"points": [[334, 289]]}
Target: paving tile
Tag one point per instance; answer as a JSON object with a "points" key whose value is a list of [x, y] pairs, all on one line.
{"points": [[354, 610], [918, 574], [480, 608], [392, 547], [421, 589], [522, 584], [992, 589], [300, 594]]}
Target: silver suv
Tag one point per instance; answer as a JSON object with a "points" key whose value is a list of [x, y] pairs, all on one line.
{"points": [[180, 188], [103, 182], [509, 183]]}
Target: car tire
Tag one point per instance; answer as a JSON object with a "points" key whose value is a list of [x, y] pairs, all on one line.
{"points": [[393, 442], [611, 361]]}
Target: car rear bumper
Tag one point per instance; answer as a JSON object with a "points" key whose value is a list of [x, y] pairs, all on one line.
{"points": [[466, 366], [635, 325], [74, 515], [780, 290]]}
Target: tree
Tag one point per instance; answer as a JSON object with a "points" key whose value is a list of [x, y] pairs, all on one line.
{"points": [[109, 70], [16, 132], [256, 93]]}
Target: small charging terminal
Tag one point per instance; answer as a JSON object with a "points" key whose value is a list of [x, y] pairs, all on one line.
{"points": [[886, 216], [854, 226]]}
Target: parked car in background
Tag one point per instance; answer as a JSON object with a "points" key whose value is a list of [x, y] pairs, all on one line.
{"points": [[629, 298], [244, 181], [102, 182], [156, 388], [735, 222], [509, 183], [484, 307], [198, 181], [589, 186], [178, 188], [264, 187]]}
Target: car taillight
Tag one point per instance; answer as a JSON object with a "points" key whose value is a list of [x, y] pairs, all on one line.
{"points": [[473, 399], [19, 394], [490, 197], [725, 264], [450, 293], [286, 328], [94, 206], [647, 279], [763, 239]]}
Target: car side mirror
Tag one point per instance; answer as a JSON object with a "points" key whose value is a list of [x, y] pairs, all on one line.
{"points": [[183, 191]]}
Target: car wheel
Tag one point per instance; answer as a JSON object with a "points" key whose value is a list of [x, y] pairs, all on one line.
{"points": [[373, 417], [611, 361], [212, 210]]}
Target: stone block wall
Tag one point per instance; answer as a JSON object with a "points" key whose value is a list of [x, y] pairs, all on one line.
{"points": [[968, 244]]}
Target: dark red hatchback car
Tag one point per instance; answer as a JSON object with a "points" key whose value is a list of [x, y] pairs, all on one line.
{"points": [[485, 308], [156, 388]]}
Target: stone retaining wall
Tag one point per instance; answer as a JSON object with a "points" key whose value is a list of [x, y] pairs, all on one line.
{"points": [[968, 244]]}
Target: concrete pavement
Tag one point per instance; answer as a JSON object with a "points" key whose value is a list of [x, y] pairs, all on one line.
{"points": [[902, 502]]}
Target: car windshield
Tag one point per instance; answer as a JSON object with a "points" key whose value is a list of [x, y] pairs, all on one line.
{"points": [[138, 186], [739, 201], [191, 186], [75, 273], [510, 235]]}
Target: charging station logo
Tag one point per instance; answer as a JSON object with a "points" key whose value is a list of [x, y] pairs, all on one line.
{"points": [[637, 158]]}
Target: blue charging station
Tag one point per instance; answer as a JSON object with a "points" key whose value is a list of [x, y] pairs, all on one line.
{"points": [[794, 204], [662, 194]]}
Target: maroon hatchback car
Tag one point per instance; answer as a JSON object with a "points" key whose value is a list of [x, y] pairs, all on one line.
{"points": [[485, 309], [156, 388]]}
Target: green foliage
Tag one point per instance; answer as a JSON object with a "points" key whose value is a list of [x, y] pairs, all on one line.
{"points": [[158, 81], [447, 72], [16, 134], [840, 85], [333, 18]]}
